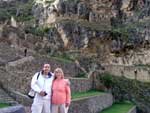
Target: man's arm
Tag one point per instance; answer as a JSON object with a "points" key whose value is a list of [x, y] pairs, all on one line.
{"points": [[34, 85]]}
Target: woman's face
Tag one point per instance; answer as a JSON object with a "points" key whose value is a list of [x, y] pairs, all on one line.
{"points": [[58, 74]]}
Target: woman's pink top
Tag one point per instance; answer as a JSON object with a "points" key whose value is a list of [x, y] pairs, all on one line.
{"points": [[61, 93]]}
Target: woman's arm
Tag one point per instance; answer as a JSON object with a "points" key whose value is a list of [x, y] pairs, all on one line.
{"points": [[68, 93]]}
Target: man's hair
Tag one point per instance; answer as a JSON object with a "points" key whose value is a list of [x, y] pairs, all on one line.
{"points": [[46, 64]]}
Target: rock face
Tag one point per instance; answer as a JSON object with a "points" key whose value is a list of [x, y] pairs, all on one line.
{"points": [[85, 27], [106, 31], [90, 27], [95, 21], [89, 11]]}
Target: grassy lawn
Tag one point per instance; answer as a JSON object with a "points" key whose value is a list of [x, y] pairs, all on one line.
{"points": [[122, 107], [2, 105], [85, 94]]}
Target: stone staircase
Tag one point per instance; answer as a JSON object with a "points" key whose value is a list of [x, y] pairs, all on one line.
{"points": [[5, 98]]}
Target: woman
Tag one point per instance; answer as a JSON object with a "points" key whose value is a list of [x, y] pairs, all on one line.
{"points": [[61, 94]]}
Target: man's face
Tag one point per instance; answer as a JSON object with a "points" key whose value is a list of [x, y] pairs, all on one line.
{"points": [[46, 68]]}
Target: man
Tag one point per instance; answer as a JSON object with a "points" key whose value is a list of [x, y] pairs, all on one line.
{"points": [[42, 83], [25, 52]]}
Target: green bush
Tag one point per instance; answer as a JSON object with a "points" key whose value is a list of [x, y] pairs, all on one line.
{"points": [[127, 89], [81, 75], [23, 9], [107, 79], [39, 31]]}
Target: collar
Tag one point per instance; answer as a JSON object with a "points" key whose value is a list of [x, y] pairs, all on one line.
{"points": [[49, 75]]}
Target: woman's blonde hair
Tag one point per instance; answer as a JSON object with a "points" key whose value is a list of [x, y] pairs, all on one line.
{"points": [[59, 70]]}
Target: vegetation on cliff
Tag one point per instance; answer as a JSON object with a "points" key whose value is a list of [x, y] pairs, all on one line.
{"points": [[126, 89], [20, 11]]}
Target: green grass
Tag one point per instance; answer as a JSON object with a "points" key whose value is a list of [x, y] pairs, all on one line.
{"points": [[62, 59], [122, 107], [85, 94], [142, 65], [2, 105], [81, 75], [100, 26]]}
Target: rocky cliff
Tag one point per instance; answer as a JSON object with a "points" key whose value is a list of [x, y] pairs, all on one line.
{"points": [[93, 33], [108, 30]]}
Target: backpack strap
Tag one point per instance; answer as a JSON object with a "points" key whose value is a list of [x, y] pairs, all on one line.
{"points": [[38, 75]]}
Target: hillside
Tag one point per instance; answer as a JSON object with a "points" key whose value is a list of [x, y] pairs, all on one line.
{"points": [[85, 37]]}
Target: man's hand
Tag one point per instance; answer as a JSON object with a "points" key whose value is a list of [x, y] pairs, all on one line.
{"points": [[42, 93]]}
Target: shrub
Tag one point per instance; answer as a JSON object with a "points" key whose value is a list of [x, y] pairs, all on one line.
{"points": [[127, 89], [81, 74]]}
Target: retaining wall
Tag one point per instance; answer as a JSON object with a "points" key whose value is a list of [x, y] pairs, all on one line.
{"points": [[13, 109], [142, 73], [93, 104]]}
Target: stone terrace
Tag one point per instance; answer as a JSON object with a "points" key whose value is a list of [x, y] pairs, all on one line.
{"points": [[16, 77], [5, 98]]}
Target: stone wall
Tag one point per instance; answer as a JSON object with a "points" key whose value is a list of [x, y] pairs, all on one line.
{"points": [[16, 80], [33, 64], [93, 104], [20, 98], [13, 109], [17, 75], [19, 88], [80, 84], [131, 72], [134, 57]]}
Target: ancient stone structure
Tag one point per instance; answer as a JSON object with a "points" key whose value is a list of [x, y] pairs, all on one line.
{"points": [[131, 72], [92, 29], [91, 105]]}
